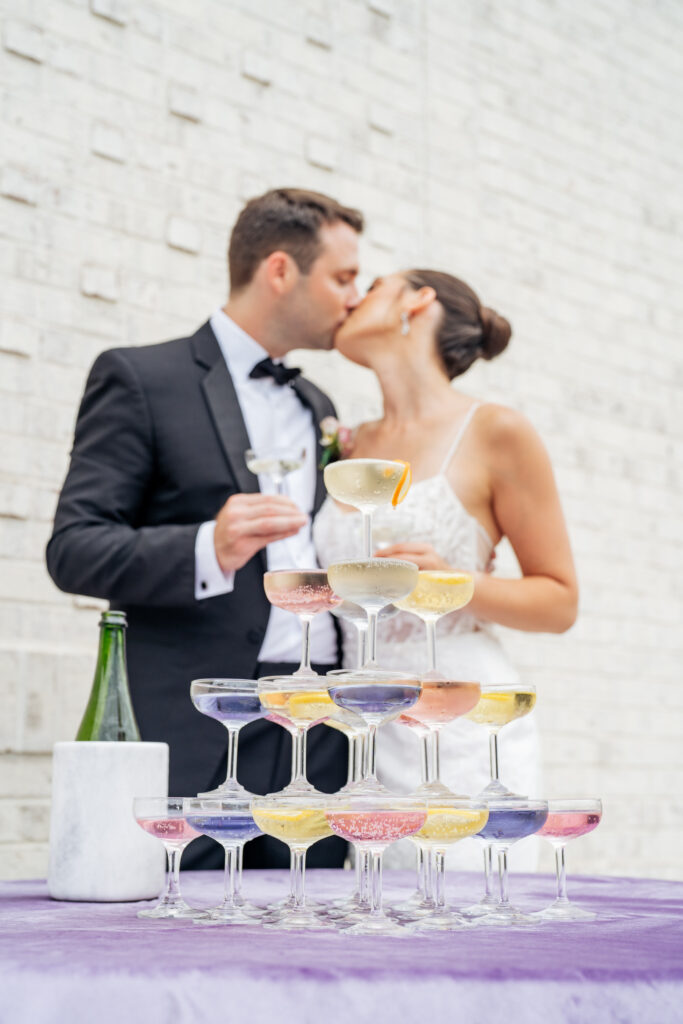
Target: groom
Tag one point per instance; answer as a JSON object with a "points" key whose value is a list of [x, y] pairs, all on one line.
{"points": [[160, 515]]}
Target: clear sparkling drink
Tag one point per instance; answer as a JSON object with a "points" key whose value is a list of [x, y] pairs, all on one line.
{"points": [[496, 709], [274, 465], [372, 582], [300, 826], [438, 593], [363, 483]]}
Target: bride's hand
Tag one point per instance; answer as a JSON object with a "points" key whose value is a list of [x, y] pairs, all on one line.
{"points": [[424, 555]]}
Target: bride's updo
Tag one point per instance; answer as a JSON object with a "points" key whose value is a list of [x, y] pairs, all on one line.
{"points": [[468, 330]]}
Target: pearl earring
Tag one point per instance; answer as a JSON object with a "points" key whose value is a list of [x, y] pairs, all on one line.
{"points": [[405, 323]]}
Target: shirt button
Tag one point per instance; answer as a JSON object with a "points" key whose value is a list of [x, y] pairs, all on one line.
{"points": [[203, 584]]}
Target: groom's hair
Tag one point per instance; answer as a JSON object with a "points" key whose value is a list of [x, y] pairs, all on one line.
{"points": [[287, 219]]}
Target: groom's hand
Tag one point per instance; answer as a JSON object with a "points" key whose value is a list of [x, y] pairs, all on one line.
{"points": [[247, 522], [423, 555]]}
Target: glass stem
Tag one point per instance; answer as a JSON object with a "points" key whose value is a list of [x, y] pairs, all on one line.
{"points": [[420, 870], [230, 874], [298, 891], [363, 856], [493, 755], [561, 875], [367, 533], [376, 884], [362, 631], [503, 876], [440, 865], [353, 757], [233, 739], [372, 639], [238, 877], [431, 644], [488, 873], [436, 757], [371, 754], [172, 893], [305, 666], [299, 755]]}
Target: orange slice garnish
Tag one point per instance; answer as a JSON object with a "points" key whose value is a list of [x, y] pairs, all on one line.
{"points": [[403, 486]]}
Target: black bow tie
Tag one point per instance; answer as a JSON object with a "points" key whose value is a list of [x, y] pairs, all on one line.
{"points": [[280, 374]]}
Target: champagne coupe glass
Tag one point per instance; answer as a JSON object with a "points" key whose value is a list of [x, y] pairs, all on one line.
{"points": [[510, 819], [234, 703], [358, 617], [442, 700], [497, 707], [376, 697], [306, 593], [229, 821], [275, 463], [297, 819], [449, 819], [162, 817], [297, 703], [567, 820], [372, 583], [437, 594], [372, 821], [367, 484]]}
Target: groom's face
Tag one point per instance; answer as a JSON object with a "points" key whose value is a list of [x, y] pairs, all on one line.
{"points": [[323, 298]]}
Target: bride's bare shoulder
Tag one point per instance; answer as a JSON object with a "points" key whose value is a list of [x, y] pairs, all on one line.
{"points": [[507, 431]]}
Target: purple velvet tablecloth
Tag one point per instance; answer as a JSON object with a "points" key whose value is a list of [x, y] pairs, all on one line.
{"points": [[77, 963]]}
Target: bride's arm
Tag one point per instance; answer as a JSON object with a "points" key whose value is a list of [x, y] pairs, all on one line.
{"points": [[527, 510]]}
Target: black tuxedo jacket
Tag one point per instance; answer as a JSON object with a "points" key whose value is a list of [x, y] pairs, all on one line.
{"points": [[159, 447]]}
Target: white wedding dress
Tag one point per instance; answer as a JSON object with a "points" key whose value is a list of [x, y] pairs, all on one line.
{"points": [[431, 513]]}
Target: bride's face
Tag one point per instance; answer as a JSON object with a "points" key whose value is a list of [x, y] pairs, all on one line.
{"points": [[375, 321]]}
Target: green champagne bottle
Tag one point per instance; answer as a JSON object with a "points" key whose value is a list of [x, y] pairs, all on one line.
{"points": [[109, 713]]}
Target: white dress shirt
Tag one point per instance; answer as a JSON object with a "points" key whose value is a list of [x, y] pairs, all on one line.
{"points": [[274, 417]]}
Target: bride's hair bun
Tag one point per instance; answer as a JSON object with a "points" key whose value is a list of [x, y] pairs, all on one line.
{"points": [[467, 330], [496, 333]]}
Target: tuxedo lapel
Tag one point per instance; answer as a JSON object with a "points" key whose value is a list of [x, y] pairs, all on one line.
{"points": [[221, 398], [321, 406]]}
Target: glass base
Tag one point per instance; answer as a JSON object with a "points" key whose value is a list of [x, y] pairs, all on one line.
{"points": [[226, 790], [497, 791], [165, 909], [413, 912], [480, 909], [508, 917], [298, 920], [564, 911], [376, 924], [444, 921], [225, 915]]}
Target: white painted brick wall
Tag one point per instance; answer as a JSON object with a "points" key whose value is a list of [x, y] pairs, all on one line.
{"points": [[534, 149]]}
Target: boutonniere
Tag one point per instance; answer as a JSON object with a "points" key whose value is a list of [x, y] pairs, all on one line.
{"points": [[336, 441]]}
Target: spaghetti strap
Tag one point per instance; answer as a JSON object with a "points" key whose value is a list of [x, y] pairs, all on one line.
{"points": [[458, 437]]}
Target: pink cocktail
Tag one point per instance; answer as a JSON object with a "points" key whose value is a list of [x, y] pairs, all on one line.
{"points": [[567, 820], [442, 701], [170, 830], [561, 826], [372, 821], [305, 593], [376, 827]]}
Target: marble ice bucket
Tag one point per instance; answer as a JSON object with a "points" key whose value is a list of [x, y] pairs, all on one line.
{"points": [[97, 850]]}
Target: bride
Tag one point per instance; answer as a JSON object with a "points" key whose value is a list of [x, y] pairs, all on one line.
{"points": [[480, 473]]}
